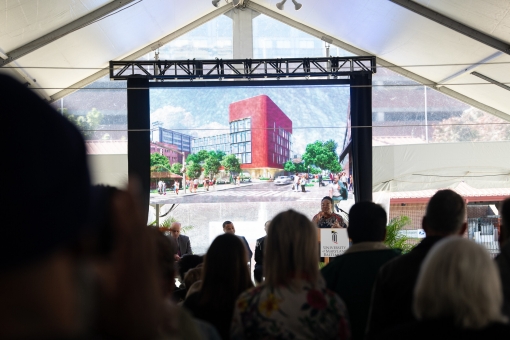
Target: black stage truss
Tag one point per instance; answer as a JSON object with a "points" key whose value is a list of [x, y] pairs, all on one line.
{"points": [[218, 69]]}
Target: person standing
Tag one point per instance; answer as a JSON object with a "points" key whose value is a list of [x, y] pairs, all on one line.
{"points": [[302, 182], [259, 256], [228, 228], [176, 184], [164, 188], [160, 187], [367, 230], [183, 243], [334, 191], [195, 184], [296, 183], [206, 184]]}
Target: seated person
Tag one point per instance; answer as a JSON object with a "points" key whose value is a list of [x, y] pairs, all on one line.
{"points": [[183, 243], [503, 259], [225, 276], [352, 275], [228, 227], [458, 295], [293, 302]]}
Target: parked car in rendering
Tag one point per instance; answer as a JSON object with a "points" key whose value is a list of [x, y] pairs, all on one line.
{"points": [[282, 180]]}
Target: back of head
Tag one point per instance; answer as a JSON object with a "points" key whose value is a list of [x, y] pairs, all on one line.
{"points": [[459, 281], [291, 249], [188, 262], [165, 250], [367, 222], [192, 276], [225, 271], [446, 212], [44, 163]]}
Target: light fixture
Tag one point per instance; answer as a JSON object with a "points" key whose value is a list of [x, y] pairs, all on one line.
{"points": [[235, 3], [280, 5], [297, 5]]}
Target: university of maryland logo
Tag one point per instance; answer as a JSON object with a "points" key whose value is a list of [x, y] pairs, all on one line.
{"points": [[334, 237]]}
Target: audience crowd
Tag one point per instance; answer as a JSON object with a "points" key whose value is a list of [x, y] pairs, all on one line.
{"points": [[90, 268]]}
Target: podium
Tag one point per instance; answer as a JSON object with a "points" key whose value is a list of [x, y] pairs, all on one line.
{"points": [[332, 242]]}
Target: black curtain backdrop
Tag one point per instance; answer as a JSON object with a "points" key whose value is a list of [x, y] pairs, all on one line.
{"points": [[138, 121], [361, 136]]}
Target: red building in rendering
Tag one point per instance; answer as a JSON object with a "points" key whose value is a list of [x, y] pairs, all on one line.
{"points": [[262, 132]]}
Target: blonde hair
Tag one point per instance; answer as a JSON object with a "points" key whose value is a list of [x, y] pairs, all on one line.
{"points": [[459, 280], [290, 250]]}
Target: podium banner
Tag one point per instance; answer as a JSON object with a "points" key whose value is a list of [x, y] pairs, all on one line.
{"points": [[333, 242]]}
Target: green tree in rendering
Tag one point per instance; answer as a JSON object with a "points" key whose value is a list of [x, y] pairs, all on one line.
{"points": [[217, 154], [159, 163], [198, 158], [176, 168], [86, 124], [231, 164], [294, 167], [193, 170], [322, 155], [212, 166]]}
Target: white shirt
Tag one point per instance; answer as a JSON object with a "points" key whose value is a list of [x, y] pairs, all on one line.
{"points": [[335, 187]]}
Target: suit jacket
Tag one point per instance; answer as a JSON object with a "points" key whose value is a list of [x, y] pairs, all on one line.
{"points": [[259, 252], [248, 250], [352, 276], [392, 297], [184, 245], [503, 262]]}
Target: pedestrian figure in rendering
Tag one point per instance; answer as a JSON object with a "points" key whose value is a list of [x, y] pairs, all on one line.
{"points": [[176, 184], [295, 186], [302, 182], [160, 187], [164, 188]]}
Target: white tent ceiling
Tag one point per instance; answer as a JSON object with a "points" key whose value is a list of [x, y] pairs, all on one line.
{"points": [[421, 48]]}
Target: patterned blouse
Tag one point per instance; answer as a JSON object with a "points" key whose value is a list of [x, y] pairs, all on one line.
{"points": [[323, 222], [305, 313]]}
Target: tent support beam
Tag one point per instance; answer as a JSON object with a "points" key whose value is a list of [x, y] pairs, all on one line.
{"points": [[141, 52], [469, 69], [64, 30], [454, 25], [380, 61]]}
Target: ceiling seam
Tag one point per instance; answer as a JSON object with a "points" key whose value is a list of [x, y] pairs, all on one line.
{"points": [[64, 30], [402, 71], [147, 49]]}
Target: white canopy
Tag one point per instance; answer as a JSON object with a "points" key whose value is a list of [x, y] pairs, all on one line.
{"points": [[399, 168], [82, 36]]}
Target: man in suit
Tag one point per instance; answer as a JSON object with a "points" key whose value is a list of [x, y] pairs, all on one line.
{"points": [[503, 259], [183, 243], [259, 256], [228, 227]]}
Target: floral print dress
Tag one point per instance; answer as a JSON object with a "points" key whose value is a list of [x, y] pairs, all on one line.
{"points": [[305, 311]]}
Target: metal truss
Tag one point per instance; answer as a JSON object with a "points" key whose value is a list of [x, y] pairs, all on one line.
{"points": [[326, 68]]}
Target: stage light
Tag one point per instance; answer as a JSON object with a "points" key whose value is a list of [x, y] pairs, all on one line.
{"points": [[280, 5], [215, 3], [297, 5]]}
